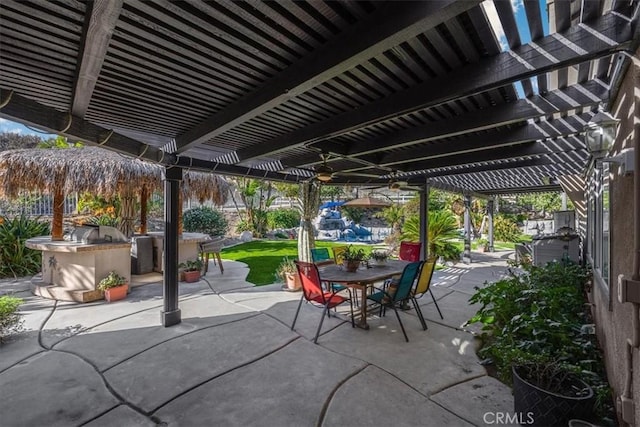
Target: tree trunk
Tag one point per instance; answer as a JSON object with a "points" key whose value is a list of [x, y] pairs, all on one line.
{"points": [[144, 198], [310, 195], [127, 212], [58, 213]]}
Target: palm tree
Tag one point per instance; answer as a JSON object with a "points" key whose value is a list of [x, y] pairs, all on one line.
{"points": [[442, 228]]}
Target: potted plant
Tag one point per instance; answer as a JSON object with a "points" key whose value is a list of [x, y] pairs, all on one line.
{"points": [[288, 272], [192, 270], [483, 245], [353, 257], [549, 391], [114, 286], [379, 257]]}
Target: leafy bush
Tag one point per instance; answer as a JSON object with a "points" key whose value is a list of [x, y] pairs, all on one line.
{"points": [[10, 320], [283, 218], [205, 220], [104, 220], [243, 225], [442, 230], [16, 260], [505, 229], [537, 316]]}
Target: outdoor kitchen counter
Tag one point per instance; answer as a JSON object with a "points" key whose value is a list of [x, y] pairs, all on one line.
{"points": [[188, 247], [71, 270], [44, 243]]}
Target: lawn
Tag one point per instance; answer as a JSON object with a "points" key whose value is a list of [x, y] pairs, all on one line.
{"points": [[264, 256]]}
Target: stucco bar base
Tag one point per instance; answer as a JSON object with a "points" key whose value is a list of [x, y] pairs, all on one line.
{"points": [[71, 271]]}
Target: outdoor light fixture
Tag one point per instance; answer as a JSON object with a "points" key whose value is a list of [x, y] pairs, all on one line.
{"points": [[600, 133], [323, 176]]}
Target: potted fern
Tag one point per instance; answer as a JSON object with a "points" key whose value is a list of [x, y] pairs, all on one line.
{"points": [[114, 286]]}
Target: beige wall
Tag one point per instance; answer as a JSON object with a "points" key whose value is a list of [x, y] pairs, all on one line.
{"points": [[613, 320]]}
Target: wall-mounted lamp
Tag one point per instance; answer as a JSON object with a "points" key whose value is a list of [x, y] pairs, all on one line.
{"points": [[600, 133]]}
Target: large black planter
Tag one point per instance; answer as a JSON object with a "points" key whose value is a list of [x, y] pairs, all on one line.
{"points": [[542, 408]]}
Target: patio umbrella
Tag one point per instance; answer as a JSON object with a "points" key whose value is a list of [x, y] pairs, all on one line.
{"points": [[98, 171], [367, 202]]}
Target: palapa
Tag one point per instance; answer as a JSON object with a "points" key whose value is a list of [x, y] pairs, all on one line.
{"points": [[97, 171]]}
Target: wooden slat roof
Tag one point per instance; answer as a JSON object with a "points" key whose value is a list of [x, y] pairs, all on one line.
{"points": [[418, 90]]}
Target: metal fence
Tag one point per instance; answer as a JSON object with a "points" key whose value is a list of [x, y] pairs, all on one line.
{"points": [[36, 204]]}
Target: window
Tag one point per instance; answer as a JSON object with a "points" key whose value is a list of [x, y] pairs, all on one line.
{"points": [[604, 224], [598, 220]]}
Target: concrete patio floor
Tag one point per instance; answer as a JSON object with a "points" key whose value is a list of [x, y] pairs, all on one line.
{"points": [[235, 361]]}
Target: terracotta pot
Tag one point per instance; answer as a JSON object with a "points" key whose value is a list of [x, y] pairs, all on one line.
{"points": [[293, 281], [351, 265], [117, 293], [191, 276]]}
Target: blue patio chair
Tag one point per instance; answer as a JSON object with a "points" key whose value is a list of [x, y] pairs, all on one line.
{"points": [[398, 294]]}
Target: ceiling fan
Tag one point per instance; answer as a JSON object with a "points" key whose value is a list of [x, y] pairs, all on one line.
{"points": [[396, 184], [325, 173]]}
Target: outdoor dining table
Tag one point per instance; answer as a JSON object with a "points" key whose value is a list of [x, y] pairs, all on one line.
{"points": [[361, 279]]}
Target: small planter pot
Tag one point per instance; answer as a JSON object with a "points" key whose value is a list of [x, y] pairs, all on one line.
{"points": [[117, 293], [191, 276], [351, 266], [379, 263], [544, 408], [292, 281]]}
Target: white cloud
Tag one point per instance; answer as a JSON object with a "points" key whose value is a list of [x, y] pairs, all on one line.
{"points": [[3, 120], [516, 5], [494, 21], [15, 130]]}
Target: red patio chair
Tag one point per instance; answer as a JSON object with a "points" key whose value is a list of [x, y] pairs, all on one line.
{"points": [[410, 251], [313, 292]]}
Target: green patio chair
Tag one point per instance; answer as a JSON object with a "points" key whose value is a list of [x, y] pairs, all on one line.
{"points": [[398, 294]]}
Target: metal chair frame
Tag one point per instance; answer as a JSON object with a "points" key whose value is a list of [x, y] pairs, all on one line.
{"points": [[314, 293]]}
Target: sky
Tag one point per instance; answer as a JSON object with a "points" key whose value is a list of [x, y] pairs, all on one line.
{"points": [[12, 127], [523, 30]]}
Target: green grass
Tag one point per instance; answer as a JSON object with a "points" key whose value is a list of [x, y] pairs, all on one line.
{"points": [[264, 256]]}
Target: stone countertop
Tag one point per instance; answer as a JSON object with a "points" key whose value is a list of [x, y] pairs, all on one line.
{"points": [[44, 243]]}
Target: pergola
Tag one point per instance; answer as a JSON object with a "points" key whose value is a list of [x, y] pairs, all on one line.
{"points": [[434, 93]]}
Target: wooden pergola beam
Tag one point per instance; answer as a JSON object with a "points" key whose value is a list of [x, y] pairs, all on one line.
{"points": [[559, 101], [391, 25], [101, 18], [27, 111], [601, 37]]}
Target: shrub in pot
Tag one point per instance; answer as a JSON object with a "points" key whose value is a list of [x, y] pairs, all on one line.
{"points": [[288, 272], [114, 286], [549, 393], [192, 270], [352, 257], [536, 317]]}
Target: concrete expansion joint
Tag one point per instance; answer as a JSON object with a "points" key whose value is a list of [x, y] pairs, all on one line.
{"points": [[221, 374], [178, 337], [453, 385], [327, 402], [115, 394]]}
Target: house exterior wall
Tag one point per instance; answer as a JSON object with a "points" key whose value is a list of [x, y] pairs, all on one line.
{"points": [[613, 319]]}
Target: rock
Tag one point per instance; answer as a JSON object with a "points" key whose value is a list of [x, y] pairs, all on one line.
{"points": [[246, 236]]}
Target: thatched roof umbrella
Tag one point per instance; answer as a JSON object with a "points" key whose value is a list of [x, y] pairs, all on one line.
{"points": [[94, 170]]}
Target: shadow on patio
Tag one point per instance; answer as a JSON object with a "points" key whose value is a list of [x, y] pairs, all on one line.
{"points": [[234, 361]]}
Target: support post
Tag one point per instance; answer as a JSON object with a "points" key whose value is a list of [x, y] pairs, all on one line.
{"points": [[466, 255], [424, 222], [490, 209], [564, 201], [171, 313]]}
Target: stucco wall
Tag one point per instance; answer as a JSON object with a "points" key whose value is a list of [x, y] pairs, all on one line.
{"points": [[613, 320]]}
